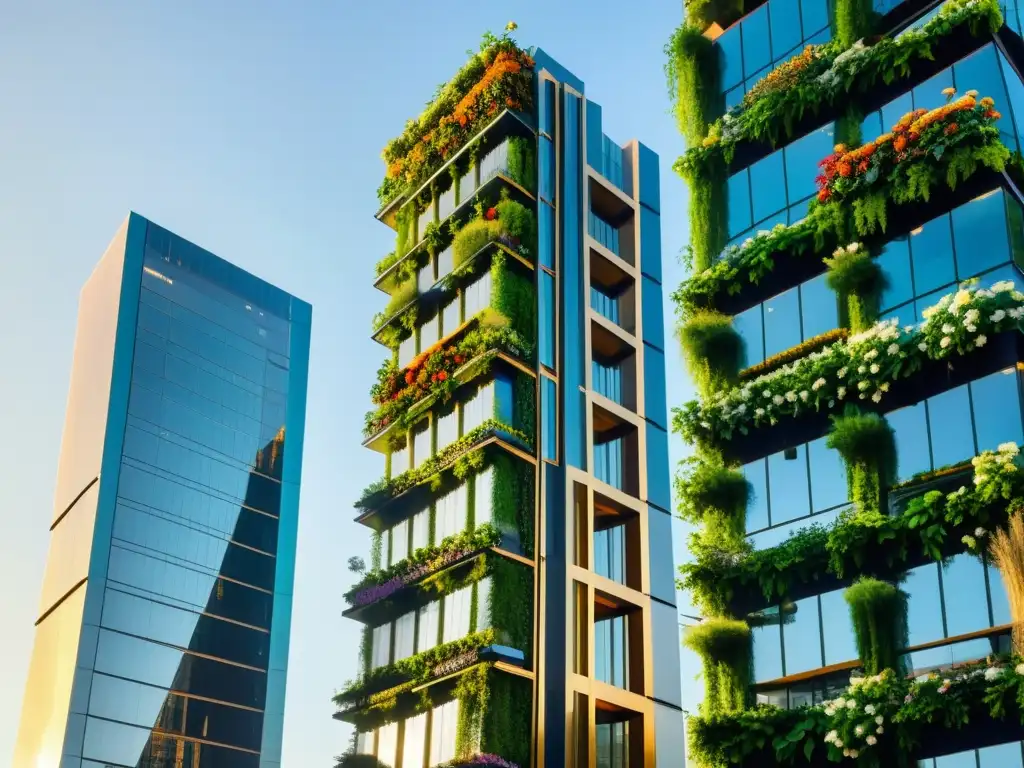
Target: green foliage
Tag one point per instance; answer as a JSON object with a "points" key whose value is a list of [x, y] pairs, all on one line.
{"points": [[511, 604], [353, 760], [522, 163], [703, 13], [709, 213], [376, 542], [868, 446], [512, 501], [710, 492], [725, 649], [506, 719], [403, 295], [692, 72], [431, 471], [518, 222], [512, 220], [875, 543], [863, 367], [858, 281], [405, 222], [852, 20], [513, 297], [713, 351], [878, 611], [365, 650]]}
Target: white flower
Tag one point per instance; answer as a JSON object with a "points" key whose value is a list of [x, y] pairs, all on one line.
{"points": [[841, 393], [862, 370], [877, 397], [981, 341], [840, 703], [852, 247], [846, 752], [1019, 669], [778, 399], [804, 394], [946, 341], [884, 386], [841, 373], [874, 368], [1008, 448], [791, 396], [1003, 286], [961, 298], [928, 312], [869, 708], [879, 720], [838, 251], [831, 736], [838, 743], [979, 532], [948, 329], [854, 754], [871, 741], [871, 354], [859, 730], [893, 349], [993, 672], [851, 704], [879, 730], [747, 243], [862, 385], [971, 316], [971, 328], [923, 347], [818, 384], [759, 411]]}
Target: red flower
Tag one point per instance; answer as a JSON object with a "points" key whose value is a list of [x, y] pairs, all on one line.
{"points": [[491, 214], [410, 376], [862, 167], [823, 195], [951, 129], [459, 359], [441, 376]]}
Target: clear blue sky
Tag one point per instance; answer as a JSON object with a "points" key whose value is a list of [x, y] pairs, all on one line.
{"points": [[253, 129]]}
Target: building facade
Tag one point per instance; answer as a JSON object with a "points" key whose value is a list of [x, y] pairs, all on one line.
{"points": [[519, 604], [823, 536], [162, 638]]}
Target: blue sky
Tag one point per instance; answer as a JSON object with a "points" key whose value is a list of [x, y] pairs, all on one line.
{"points": [[253, 129]]}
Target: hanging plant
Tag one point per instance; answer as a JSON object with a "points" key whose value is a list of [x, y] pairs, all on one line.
{"points": [[878, 612], [858, 281], [712, 350], [725, 649], [716, 495], [868, 446]]}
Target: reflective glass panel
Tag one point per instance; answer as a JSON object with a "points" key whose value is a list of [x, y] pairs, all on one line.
{"points": [[801, 635]]}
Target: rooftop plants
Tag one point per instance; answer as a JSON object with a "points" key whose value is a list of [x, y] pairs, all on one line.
{"points": [[944, 145], [498, 77], [861, 368]]}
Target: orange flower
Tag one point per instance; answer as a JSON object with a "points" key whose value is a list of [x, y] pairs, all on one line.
{"points": [[863, 166], [823, 195], [845, 169], [949, 92], [993, 114], [987, 103], [900, 143], [950, 129], [441, 376]]}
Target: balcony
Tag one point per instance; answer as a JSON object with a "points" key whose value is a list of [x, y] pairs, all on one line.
{"points": [[616, 451]]}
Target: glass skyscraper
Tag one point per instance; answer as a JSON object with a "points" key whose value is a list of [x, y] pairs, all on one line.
{"points": [[162, 637], [519, 606], [804, 644]]}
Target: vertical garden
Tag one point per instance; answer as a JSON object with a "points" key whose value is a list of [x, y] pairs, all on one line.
{"points": [[841, 386]]}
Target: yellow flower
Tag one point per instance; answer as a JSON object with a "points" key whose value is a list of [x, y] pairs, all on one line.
{"points": [[949, 92], [710, 141], [511, 27]]}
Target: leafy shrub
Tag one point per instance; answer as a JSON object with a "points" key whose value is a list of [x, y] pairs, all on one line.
{"points": [[712, 493], [858, 281], [712, 349], [868, 446], [878, 611], [725, 649]]}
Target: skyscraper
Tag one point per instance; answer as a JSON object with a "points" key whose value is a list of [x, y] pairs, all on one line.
{"points": [[162, 638], [519, 604], [851, 323]]}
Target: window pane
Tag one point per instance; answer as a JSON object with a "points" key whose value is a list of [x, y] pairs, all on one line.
{"points": [[801, 636], [450, 316], [407, 351], [456, 614], [894, 261], [949, 419], [782, 322], [387, 743], [840, 642], [415, 742], [1000, 602], [483, 497], [787, 484], [421, 443], [428, 629], [963, 589], [443, 724], [785, 16], [405, 636], [979, 234], [767, 639], [959, 760], [739, 203], [447, 428], [924, 607], [756, 50], [997, 417], [381, 654], [399, 461], [400, 542], [730, 55], [767, 194], [802, 159], [828, 476], [484, 588], [748, 326], [421, 529], [911, 428], [819, 307], [757, 509], [1002, 756], [931, 250], [815, 15]]}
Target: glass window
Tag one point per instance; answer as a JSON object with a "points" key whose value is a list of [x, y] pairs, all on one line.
{"points": [[445, 262], [421, 447], [407, 350], [750, 328], [450, 515], [782, 322], [405, 636], [959, 760], [610, 553], [484, 589], [478, 409], [739, 203], [757, 509], [451, 315], [425, 278], [767, 639], [819, 308], [787, 485], [364, 743], [414, 743], [949, 419], [430, 332], [456, 614], [997, 416], [924, 606], [447, 428], [730, 54], [387, 744], [894, 261], [828, 476], [610, 651], [931, 251], [840, 641], [421, 529], [815, 15], [381, 650], [399, 461], [443, 726], [802, 158], [979, 234], [756, 49], [483, 497], [546, 182], [767, 194], [1002, 756], [785, 26], [399, 542], [478, 295], [549, 419], [546, 324], [963, 591], [997, 594], [910, 426], [429, 627], [801, 635]]}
